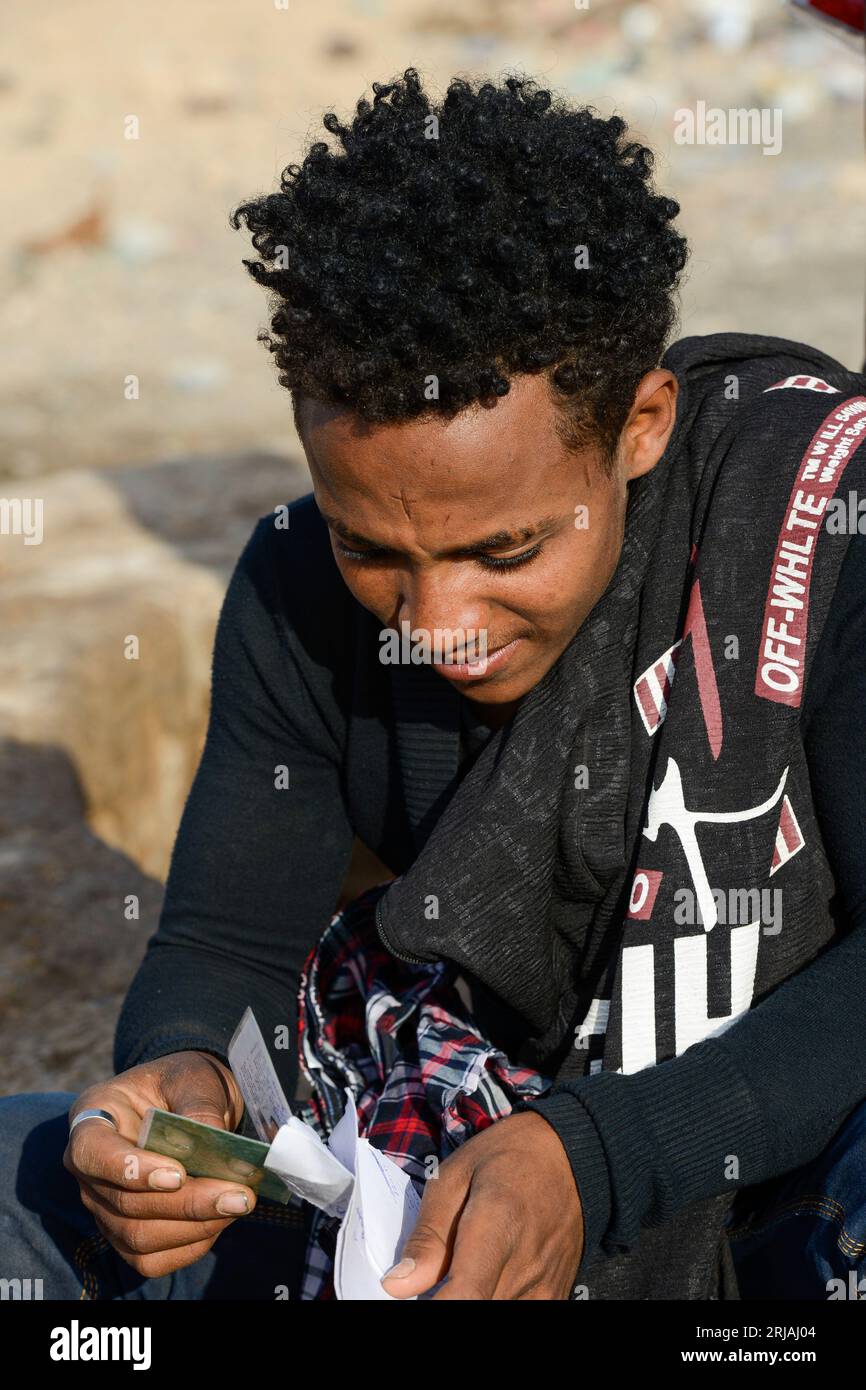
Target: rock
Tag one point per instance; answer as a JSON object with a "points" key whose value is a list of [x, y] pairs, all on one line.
{"points": [[67, 952], [101, 735], [108, 629], [128, 726]]}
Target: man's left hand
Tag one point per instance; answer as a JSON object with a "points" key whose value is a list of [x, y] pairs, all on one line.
{"points": [[503, 1219]]}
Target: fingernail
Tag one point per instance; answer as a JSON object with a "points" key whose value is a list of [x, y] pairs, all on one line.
{"points": [[400, 1269], [166, 1178], [233, 1203]]}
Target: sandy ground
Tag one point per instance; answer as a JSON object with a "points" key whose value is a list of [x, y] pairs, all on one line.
{"points": [[116, 256]]}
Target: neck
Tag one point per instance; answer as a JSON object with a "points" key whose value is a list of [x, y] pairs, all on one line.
{"points": [[495, 716]]}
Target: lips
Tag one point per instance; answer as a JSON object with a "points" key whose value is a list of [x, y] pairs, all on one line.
{"points": [[478, 669]]}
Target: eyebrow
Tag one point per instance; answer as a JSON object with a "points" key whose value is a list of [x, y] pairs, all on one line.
{"points": [[497, 541]]}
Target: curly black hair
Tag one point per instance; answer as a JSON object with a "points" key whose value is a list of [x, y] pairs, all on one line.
{"points": [[442, 249]]}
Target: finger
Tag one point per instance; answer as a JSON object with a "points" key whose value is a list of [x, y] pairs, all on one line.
{"points": [[426, 1255], [199, 1199], [138, 1237], [484, 1243], [165, 1261], [204, 1096], [97, 1151]]}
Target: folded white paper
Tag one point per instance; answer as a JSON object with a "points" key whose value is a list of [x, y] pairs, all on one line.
{"points": [[350, 1178], [256, 1075], [347, 1177], [308, 1168], [381, 1215]]}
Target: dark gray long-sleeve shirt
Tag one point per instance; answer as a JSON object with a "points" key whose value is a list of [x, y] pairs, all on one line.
{"points": [[256, 870]]}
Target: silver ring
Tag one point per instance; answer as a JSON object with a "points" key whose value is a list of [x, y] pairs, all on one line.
{"points": [[94, 1115]]}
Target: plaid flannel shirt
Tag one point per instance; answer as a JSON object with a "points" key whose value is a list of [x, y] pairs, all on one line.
{"points": [[399, 1036]]}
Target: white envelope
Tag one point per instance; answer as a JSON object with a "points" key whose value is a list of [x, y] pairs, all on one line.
{"points": [[350, 1178], [381, 1215], [347, 1177]]}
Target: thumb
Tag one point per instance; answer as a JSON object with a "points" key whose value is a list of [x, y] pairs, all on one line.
{"points": [[207, 1112], [198, 1092], [426, 1255]]}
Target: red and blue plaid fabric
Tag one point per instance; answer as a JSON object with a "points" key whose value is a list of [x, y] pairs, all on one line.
{"points": [[401, 1039]]}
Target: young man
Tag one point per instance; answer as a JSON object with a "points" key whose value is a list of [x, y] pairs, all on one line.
{"points": [[633, 822]]}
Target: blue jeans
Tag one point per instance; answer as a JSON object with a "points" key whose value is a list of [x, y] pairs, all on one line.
{"points": [[788, 1237], [803, 1236]]}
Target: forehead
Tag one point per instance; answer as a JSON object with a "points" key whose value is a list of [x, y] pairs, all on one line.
{"points": [[483, 457]]}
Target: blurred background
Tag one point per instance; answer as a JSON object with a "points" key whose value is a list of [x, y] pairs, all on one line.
{"points": [[137, 405]]}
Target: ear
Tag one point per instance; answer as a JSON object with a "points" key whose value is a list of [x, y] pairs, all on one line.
{"points": [[650, 423]]}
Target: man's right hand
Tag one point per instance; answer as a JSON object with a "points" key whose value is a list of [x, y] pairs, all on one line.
{"points": [[155, 1216]]}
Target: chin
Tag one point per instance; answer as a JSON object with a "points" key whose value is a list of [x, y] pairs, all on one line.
{"points": [[495, 692]]}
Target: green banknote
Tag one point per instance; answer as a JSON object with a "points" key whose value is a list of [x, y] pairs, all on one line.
{"points": [[206, 1152]]}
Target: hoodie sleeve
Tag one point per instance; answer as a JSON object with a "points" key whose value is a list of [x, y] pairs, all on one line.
{"points": [[265, 838]]}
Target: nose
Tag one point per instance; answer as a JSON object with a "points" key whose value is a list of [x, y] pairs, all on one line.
{"points": [[441, 600]]}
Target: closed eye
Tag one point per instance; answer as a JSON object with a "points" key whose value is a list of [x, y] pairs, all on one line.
{"points": [[490, 562], [360, 555], [509, 562]]}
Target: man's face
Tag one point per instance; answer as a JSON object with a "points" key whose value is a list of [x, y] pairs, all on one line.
{"points": [[485, 523]]}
